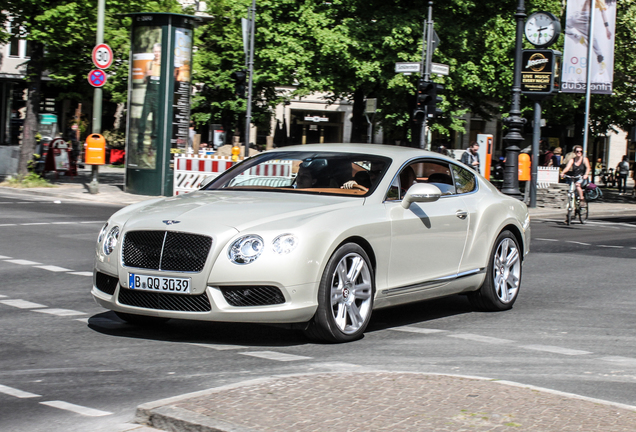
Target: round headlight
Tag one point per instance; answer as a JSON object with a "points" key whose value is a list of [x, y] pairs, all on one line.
{"points": [[245, 249], [111, 240], [284, 243], [102, 233]]}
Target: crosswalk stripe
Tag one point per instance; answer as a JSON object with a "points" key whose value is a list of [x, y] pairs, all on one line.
{"points": [[219, 347], [17, 393], [90, 412], [413, 329], [272, 355], [22, 304], [479, 338], [4, 257], [22, 262], [53, 268], [555, 349], [60, 312], [82, 273]]}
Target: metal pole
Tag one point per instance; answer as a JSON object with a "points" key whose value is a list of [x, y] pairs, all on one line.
{"points": [[93, 186], [588, 79], [536, 137], [427, 68], [515, 122], [250, 66]]}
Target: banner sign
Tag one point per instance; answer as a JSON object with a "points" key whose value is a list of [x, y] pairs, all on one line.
{"points": [[576, 46], [540, 72]]}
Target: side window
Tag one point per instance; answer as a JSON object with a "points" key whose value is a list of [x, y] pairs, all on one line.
{"points": [[465, 180], [427, 171]]}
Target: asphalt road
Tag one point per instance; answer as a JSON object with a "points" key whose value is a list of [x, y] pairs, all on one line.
{"points": [[68, 365]]}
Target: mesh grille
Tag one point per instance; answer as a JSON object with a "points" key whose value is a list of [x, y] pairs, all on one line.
{"points": [[185, 252], [252, 295], [106, 283], [181, 251], [161, 301]]}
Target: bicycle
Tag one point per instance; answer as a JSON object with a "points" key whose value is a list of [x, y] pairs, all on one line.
{"points": [[574, 203]]}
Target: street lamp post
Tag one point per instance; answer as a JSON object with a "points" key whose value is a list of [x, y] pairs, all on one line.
{"points": [[514, 121]]}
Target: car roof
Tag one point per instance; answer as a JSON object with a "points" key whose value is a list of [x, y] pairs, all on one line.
{"points": [[391, 151]]}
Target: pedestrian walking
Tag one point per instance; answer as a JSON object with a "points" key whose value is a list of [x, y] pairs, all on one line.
{"points": [[622, 172]]}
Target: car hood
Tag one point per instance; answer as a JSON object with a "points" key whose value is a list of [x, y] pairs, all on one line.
{"points": [[231, 209]]}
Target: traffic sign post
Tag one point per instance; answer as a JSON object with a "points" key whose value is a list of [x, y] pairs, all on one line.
{"points": [[102, 56], [97, 77]]}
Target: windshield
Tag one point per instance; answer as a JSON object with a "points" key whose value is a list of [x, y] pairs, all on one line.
{"points": [[305, 172]]}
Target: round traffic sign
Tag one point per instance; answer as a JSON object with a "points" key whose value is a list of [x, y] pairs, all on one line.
{"points": [[97, 77], [102, 56]]}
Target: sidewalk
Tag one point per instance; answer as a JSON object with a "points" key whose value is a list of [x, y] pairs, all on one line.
{"points": [[111, 191], [364, 400]]}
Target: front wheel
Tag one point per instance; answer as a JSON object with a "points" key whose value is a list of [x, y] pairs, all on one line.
{"points": [[345, 297], [503, 276]]}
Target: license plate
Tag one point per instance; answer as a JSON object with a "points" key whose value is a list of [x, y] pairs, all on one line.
{"points": [[159, 283]]}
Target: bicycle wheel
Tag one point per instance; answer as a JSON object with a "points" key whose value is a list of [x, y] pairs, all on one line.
{"points": [[568, 216], [583, 213]]}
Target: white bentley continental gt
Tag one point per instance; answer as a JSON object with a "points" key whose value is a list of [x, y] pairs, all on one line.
{"points": [[316, 237]]}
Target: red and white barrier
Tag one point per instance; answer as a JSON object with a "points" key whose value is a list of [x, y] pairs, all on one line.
{"points": [[190, 170]]}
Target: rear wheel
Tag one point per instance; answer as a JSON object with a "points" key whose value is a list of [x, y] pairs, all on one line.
{"points": [[141, 320], [583, 212], [503, 276], [345, 297]]}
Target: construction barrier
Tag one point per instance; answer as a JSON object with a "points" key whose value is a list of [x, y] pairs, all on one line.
{"points": [[547, 176], [191, 170]]}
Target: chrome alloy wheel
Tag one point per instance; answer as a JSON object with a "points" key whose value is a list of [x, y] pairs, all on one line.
{"points": [[507, 270], [351, 291]]}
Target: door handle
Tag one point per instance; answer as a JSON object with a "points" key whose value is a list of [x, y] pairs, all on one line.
{"points": [[461, 214]]}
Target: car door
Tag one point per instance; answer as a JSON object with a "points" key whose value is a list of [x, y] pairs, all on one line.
{"points": [[427, 239]]}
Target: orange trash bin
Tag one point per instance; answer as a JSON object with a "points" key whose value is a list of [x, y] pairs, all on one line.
{"points": [[524, 167], [95, 153]]}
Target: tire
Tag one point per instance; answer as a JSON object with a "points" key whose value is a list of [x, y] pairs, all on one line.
{"points": [[583, 213], [568, 217], [345, 297], [141, 320], [503, 276]]}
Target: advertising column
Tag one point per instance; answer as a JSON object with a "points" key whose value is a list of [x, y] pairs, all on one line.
{"points": [[158, 100]]}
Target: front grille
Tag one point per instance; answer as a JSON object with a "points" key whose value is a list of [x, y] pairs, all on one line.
{"points": [[252, 295], [165, 250], [106, 283], [161, 301]]}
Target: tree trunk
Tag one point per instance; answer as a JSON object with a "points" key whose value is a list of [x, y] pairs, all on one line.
{"points": [[358, 121], [35, 68]]}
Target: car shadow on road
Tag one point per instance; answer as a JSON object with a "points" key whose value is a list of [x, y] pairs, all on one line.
{"points": [[199, 332], [425, 311]]}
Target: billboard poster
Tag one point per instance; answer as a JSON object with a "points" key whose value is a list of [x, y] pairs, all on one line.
{"points": [[575, 61], [181, 94], [144, 113]]}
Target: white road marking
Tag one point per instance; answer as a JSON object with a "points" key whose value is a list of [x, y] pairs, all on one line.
{"points": [[3, 296], [91, 222], [63, 223], [479, 338], [23, 262], [90, 412], [17, 393], [623, 361], [35, 223], [84, 320], [22, 304], [4, 257], [82, 273], [219, 347], [272, 355], [544, 239], [54, 268], [609, 246], [413, 329], [60, 312], [555, 349], [8, 224], [579, 243]]}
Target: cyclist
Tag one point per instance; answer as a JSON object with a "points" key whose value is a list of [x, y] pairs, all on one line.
{"points": [[579, 166]]}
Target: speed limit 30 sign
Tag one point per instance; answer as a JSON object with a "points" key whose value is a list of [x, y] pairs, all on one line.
{"points": [[102, 56]]}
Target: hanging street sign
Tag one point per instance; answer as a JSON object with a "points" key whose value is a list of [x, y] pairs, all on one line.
{"points": [[97, 77], [102, 56], [407, 68], [440, 69]]}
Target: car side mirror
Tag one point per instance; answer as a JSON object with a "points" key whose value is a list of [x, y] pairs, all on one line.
{"points": [[421, 192], [206, 181]]}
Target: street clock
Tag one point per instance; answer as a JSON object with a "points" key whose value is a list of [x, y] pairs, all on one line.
{"points": [[542, 29]]}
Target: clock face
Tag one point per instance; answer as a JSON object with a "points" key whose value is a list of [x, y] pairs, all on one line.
{"points": [[542, 29]]}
